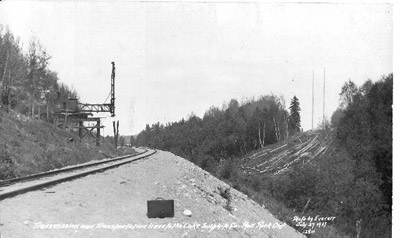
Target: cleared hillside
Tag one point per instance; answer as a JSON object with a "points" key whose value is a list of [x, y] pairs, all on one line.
{"points": [[278, 158], [290, 179], [309, 175]]}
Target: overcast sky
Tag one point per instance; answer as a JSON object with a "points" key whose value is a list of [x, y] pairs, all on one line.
{"points": [[176, 58]]}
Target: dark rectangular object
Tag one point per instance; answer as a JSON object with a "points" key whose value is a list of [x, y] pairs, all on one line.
{"points": [[160, 208]]}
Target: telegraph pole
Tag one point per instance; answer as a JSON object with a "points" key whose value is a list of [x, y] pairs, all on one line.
{"points": [[312, 113], [112, 106], [323, 105]]}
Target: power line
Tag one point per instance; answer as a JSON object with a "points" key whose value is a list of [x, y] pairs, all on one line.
{"points": [[323, 105], [312, 113]]}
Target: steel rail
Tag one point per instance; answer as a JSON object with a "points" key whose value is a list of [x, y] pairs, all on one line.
{"points": [[15, 192], [56, 171]]}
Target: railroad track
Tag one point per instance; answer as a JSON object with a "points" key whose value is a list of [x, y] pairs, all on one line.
{"points": [[13, 187]]}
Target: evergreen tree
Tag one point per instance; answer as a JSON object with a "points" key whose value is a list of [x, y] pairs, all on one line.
{"points": [[294, 117]]}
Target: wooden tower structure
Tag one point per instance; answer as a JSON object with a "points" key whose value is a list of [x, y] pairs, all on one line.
{"points": [[76, 116]]}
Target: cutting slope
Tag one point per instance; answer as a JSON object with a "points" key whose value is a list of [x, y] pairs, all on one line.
{"points": [[29, 146]]}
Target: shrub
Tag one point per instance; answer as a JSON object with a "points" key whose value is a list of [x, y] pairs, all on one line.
{"points": [[7, 165], [226, 169], [226, 193], [256, 183]]}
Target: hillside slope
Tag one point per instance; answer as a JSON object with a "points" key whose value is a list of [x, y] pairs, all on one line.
{"points": [[277, 158], [30, 146], [307, 175]]}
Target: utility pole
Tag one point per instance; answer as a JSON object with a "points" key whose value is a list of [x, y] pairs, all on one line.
{"points": [[312, 113], [323, 105], [112, 106]]}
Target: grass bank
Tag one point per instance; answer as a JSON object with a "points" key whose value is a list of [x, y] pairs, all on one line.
{"points": [[29, 146]]}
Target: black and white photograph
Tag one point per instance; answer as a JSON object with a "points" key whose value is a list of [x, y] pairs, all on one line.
{"points": [[226, 118]]}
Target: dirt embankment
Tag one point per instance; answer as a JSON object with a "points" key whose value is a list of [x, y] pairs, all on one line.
{"points": [[114, 204], [29, 146]]}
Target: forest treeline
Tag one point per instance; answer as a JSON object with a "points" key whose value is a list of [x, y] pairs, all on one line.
{"points": [[365, 130], [353, 182], [354, 179], [365, 126], [27, 85], [225, 133]]}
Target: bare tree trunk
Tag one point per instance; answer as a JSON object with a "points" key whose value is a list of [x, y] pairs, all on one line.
{"points": [[5, 69], [9, 92], [279, 132], [305, 207], [33, 110], [276, 131], [358, 227], [287, 127], [264, 135], [116, 133], [259, 135], [98, 132], [3, 80]]}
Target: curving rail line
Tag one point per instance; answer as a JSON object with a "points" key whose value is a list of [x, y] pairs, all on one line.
{"points": [[41, 180]]}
